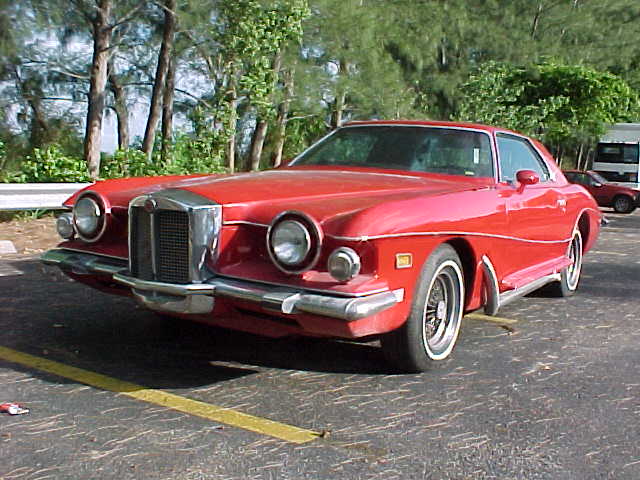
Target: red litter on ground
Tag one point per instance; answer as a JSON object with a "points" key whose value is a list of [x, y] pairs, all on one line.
{"points": [[13, 409]]}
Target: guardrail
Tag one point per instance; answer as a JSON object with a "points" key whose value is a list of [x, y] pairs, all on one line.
{"points": [[35, 196]]}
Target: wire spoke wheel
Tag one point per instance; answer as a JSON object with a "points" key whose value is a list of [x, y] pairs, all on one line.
{"points": [[441, 316], [575, 254], [432, 328]]}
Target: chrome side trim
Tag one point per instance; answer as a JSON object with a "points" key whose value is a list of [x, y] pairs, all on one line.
{"points": [[245, 222], [511, 295], [364, 238]]}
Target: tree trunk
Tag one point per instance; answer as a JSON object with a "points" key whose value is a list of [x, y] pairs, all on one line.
{"points": [[39, 125], [536, 20], [260, 132], [337, 112], [98, 81], [232, 96], [579, 156], [120, 107], [167, 110], [161, 74], [257, 142], [281, 120]]}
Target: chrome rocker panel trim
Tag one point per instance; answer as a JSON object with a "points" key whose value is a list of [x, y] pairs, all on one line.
{"points": [[198, 298]]}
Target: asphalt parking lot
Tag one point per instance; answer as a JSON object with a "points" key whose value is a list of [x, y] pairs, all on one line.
{"points": [[550, 390]]}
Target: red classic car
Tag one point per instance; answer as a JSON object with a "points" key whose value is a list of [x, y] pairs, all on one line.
{"points": [[393, 229], [622, 199]]}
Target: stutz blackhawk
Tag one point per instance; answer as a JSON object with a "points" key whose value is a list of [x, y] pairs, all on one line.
{"points": [[393, 229]]}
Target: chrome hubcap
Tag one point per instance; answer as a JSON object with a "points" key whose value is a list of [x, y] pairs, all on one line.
{"points": [[442, 311], [575, 254]]}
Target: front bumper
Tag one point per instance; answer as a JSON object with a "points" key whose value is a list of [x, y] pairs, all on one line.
{"points": [[199, 298]]}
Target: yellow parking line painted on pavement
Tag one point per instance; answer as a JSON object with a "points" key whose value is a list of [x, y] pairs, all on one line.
{"points": [[227, 416], [489, 318]]}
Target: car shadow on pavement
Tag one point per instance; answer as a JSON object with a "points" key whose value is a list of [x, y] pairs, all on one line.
{"points": [[44, 314]]}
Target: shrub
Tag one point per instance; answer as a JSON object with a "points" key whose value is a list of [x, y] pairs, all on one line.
{"points": [[51, 165]]}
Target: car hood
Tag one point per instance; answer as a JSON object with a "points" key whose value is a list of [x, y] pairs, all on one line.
{"points": [[330, 196]]}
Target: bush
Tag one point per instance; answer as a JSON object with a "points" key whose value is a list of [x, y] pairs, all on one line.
{"points": [[51, 165], [185, 156], [128, 163]]}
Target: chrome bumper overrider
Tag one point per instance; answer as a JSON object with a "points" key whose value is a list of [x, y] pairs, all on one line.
{"points": [[199, 297]]}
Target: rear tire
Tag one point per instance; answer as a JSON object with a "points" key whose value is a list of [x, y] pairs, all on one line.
{"points": [[623, 204], [570, 276], [433, 325]]}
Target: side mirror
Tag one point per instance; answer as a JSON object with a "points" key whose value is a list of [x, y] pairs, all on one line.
{"points": [[527, 177], [596, 184]]}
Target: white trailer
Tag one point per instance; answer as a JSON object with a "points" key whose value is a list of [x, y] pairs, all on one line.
{"points": [[618, 154]]}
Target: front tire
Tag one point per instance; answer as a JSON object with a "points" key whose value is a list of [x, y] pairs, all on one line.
{"points": [[623, 204], [432, 328]]}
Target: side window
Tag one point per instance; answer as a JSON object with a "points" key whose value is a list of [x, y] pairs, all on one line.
{"points": [[517, 154], [582, 179]]}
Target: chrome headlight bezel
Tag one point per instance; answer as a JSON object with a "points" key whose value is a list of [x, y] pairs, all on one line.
{"points": [[309, 235], [344, 264], [89, 217]]}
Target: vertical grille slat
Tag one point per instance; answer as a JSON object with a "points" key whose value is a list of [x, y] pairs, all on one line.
{"points": [[141, 265]]}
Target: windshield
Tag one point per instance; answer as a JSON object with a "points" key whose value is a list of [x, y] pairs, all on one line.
{"points": [[447, 151], [598, 178]]}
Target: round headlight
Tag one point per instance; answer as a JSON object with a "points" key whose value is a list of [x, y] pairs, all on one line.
{"points": [[343, 264], [291, 242], [87, 217]]}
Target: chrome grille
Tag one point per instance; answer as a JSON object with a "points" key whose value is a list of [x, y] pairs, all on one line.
{"points": [[170, 254], [173, 236], [173, 246]]}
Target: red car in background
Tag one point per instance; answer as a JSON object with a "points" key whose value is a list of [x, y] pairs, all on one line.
{"points": [[622, 199], [389, 229]]}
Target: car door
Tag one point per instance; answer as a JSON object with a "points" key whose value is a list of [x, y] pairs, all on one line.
{"points": [[536, 214], [600, 191]]}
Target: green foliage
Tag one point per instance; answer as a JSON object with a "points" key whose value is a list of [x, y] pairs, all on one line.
{"points": [[558, 103], [253, 34], [202, 154], [301, 133], [186, 155], [51, 164], [127, 163], [3, 155]]}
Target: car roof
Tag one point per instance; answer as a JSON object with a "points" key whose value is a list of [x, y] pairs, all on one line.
{"points": [[430, 123]]}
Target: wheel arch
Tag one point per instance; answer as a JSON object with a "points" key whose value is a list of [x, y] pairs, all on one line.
{"points": [[584, 227], [469, 261]]}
